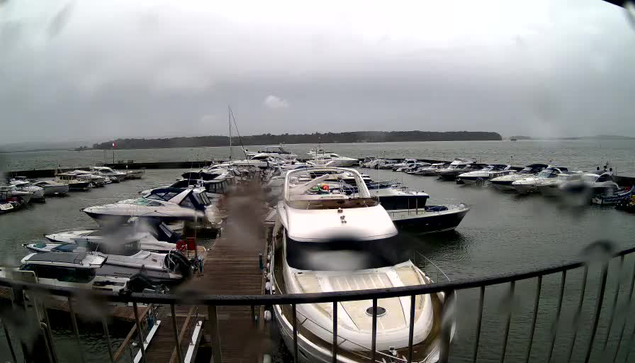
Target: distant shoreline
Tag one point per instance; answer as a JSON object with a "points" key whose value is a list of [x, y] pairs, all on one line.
{"points": [[314, 138]]}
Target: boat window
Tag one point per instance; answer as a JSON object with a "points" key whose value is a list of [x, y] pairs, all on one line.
{"points": [[187, 203], [346, 254], [163, 195], [76, 275], [604, 178]]}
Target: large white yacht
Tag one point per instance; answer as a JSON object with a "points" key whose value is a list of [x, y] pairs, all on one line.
{"points": [[332, 160], [51, 187], [37, 193], [271, 151], [504, 182], [75, 182], [479, 177], [330, 241], [165, 204], [456, 167]]}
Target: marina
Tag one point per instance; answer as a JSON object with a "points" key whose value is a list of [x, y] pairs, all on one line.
{"points": [[235, 262]]}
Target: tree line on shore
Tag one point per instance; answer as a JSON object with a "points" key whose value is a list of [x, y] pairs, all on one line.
{"points": [[314, 138]]}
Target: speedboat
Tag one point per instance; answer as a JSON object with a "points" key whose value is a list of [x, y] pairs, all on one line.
{"points": [[331, 241], [332, 160], [530, 184], [152, 236], [126, 259], [37, 193], [479, 177], [96, 181], [74, 181], [134, 174], [404, 164], [456, 167], [51, 187], [432, 170], [505, 182], [592, 184], [12, 199], [429, 219], [165, 204], [106, 172], [271, 151]]}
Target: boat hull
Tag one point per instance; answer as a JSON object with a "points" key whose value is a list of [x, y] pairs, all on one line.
{"points": [[428, 222]]}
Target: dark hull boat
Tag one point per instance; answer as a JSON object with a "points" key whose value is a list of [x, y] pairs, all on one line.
{"points": [[431, 219]]}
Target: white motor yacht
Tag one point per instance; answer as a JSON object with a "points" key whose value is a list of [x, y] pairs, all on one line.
{"points": [[530, 184], [12, 199], [271, 151], [332, 160], [114, 176], [37, 193], [404, 164], [590, 184], [432, 170], [337, 242], [456, 167], [97, 181], [504, 182], [479, 177], [78, 270], [165, 204]]}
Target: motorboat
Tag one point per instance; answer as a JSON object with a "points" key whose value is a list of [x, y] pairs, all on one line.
{"points": [[271, 151], [97, 181], [331, 241], [413, 169], [216, 181], [457, 167], [51, 187], [622, 197], [479, 177], [165, 204], [12, 199], [429, 219], [432, 170], [37, 193], [332, 160], [114, 176], [134, 174], [404, 164], [504, 182], [74, 181], [65, 269], [592, 184], [530, 184], [126, 259], [152, 236]]}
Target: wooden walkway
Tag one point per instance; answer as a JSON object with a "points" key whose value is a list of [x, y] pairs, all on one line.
{"points": [[231, 267]]}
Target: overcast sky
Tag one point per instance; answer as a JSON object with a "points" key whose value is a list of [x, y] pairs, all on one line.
{"points": [[96, 70]]}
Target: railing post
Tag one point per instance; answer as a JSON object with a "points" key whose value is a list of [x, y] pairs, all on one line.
{"points": [[295, 333], [48, 333], [334, 352], [576, 318], [212, 316], [534, 318], [104, 323], [479, 321], [175, 330], [447, 323], [373, 338], [75, 327], [598, 310], [614, 306], [511, 293], [628, 305], [556, 322], [411, 330], [139, 332]]}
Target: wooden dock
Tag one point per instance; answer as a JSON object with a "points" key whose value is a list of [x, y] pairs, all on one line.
{"points": [[232, 266]]}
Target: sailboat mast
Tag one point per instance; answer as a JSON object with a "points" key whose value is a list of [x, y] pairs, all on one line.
{"points": [[229, 120]]}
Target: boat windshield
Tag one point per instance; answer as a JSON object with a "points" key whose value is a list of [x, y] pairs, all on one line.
{"points": [[548, 173], [346, 254]]}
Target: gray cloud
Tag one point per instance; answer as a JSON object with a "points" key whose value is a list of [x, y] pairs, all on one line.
{"points": [[102, 69]]}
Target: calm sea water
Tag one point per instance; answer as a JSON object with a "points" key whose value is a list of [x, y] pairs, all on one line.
{"points": [[502, 233], [582, 154]]}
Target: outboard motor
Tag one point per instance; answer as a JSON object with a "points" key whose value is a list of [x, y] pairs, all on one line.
{"points": [[176, 262], [138, 283]]}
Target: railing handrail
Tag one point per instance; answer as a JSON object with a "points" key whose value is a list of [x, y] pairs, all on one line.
{"points": [[308, 298]]}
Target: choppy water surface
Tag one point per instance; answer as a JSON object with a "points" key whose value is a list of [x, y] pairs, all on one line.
{"points": [[502, 233]]}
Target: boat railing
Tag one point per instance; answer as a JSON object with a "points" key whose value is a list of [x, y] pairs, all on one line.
{"points": [[581, 308]]}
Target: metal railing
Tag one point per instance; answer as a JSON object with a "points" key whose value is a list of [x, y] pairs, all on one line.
{"points": [[612, 316]]}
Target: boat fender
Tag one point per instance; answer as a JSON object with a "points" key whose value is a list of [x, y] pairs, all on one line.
{"points": [[268, 286], [273, 289], [267, 315], [268, 266], [441, 296], [266, 358]]}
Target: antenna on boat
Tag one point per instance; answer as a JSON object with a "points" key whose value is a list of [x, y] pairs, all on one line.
{"points": [[229, 121]]}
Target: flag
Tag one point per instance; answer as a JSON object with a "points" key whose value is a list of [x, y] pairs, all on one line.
{"points": [[113, 145]]}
